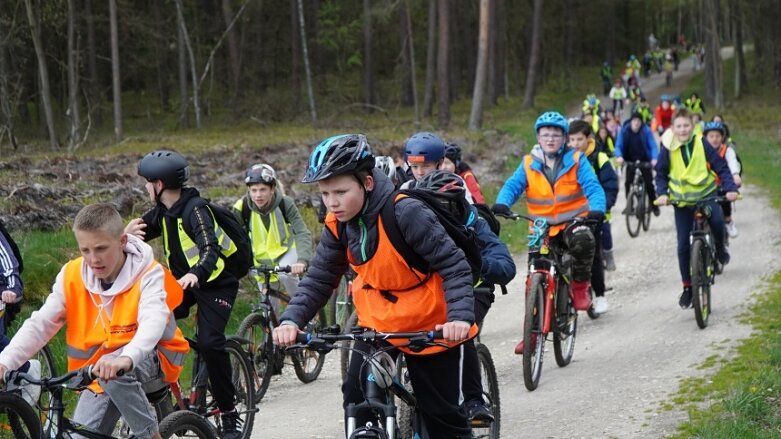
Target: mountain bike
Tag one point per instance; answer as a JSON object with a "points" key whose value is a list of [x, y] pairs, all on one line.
{"points": [[549, 307], [638, 205], [341, 312], [703, 263], [23, 422], [381, 384], [266, 358]]}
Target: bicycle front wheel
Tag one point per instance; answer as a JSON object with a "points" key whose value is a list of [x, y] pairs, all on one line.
{"points": [[185, 423], [18, 418], [261, 351], [243, 383], [700, 266], [564, 338], [307, 362], [533, 337], [48, 369], [490, 394], [633, 205]]}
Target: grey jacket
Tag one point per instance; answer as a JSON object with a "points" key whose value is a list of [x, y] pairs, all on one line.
{"points": [[422, 232]]}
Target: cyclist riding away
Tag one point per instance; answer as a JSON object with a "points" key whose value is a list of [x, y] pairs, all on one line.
{"points": [[663, 115], [715, 133], [686, 172], [388, 294], [116, 302], [560, 186], [636, 142], [277, 232], [193, 252]]}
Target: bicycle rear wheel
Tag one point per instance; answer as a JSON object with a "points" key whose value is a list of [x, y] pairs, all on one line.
{"points": [[261, 351], [18, 418], [490, 394], [185, 423], [48, 369], [700, 266], [633, 205], [533, 338], [564, 337], [307, 362], [647, 210]]}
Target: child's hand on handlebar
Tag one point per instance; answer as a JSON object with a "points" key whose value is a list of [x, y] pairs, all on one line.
{"points": [[285, 335], [298, 268], [110, 368], [731, 196], [454, 331], [661, 200]]}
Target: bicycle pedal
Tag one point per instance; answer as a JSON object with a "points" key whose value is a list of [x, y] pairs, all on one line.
{"points": [[480, 423]]}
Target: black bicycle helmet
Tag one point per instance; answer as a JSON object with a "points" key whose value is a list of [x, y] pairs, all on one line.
{"points": [[424, 147], [168, 166], [453, 153], [441, 181], [260, 173], [339, 155]]}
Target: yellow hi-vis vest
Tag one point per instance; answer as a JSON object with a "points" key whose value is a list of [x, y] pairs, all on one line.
{"points": [[87, 338], [694, 182], [191, 251], [268, 244]]}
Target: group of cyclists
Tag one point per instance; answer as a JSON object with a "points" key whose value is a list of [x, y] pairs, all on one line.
{"points": [[119, 305]]}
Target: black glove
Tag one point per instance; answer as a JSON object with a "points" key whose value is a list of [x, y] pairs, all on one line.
{"points": [[596, 215], [501, 209]]}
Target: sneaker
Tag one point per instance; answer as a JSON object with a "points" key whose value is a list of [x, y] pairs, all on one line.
{"points": [[732, 230], [519, 346], [655, 210], [231, 425], [581, 294], [600, 305], [723, 257], [607, 258], [685, 300], [31, 392], [479, 413]]}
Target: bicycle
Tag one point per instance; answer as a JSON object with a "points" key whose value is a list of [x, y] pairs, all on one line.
{"points": [[266, 358], [381, 384], [24, 422], [549, 307], [638, 205], [341, 312], [703, 263]]}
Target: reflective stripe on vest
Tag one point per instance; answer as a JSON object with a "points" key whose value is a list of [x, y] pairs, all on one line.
{"points": [[694, 182], [269, 244], [191, 251], [90, 335], [389, 296], [558, 204]]}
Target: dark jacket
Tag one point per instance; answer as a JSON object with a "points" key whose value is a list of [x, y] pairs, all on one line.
{"points": [[421, 231], [9, 269], [607, 176], [498, 265], [647, 138], [201, 226]]}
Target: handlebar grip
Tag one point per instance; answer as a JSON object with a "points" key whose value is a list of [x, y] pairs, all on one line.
{"points": [[303, 338], [435, 335]]}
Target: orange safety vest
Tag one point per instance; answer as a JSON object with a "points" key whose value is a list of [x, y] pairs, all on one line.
{"points": [[391, 296], [87, 339], [558, 204]]}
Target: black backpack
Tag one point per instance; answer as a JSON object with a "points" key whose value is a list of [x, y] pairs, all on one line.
{"points": [[455, 215], [485, 213], [14, 247], [239, 262]]}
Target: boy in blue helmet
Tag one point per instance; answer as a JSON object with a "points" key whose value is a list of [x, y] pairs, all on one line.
{"points": [[560, 186], [424, 152], [389, 296]]}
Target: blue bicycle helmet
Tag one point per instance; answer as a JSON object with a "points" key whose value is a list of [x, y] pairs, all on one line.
{"points": [[424, 147], [339, 155], [552, 119], [714, 126]]}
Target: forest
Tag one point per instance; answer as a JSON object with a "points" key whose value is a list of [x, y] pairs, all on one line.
{"points": [[70, 70]]}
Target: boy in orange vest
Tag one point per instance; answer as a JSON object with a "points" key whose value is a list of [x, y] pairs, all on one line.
{"points": [[560, 186], [116, 303]]}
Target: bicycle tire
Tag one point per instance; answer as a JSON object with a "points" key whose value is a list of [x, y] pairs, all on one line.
{"points": [[344, 349], [405, 414], [632, 205], [261, 351], [490, 393], [700, 282], [18, 417], [533, 323], [308, 363], [48, 369], [243, 383], [564, 343], [647, 211], [179, 423]]}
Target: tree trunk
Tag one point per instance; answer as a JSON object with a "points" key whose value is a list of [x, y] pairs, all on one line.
{"points": [[713, 91], [233, 50], [493, 33], [534, 55], [741, 81], [5, 95], [195, 83], [116, 81], [302, 28], [368, 62], [443, 64], [73, 79], [43, 71], [161, 60], [96, 97], [407, 68], [476, 116], [414, 81], [431, 59], [295, 55], [184, 115]]}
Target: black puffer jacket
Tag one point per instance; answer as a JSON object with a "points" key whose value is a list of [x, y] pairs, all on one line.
{"points": [[421, 230]]}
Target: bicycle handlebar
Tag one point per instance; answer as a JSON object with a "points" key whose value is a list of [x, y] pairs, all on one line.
{"points": [[639, 164], [270, 269], [716, 198], [325, 341], [84, 375]]}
